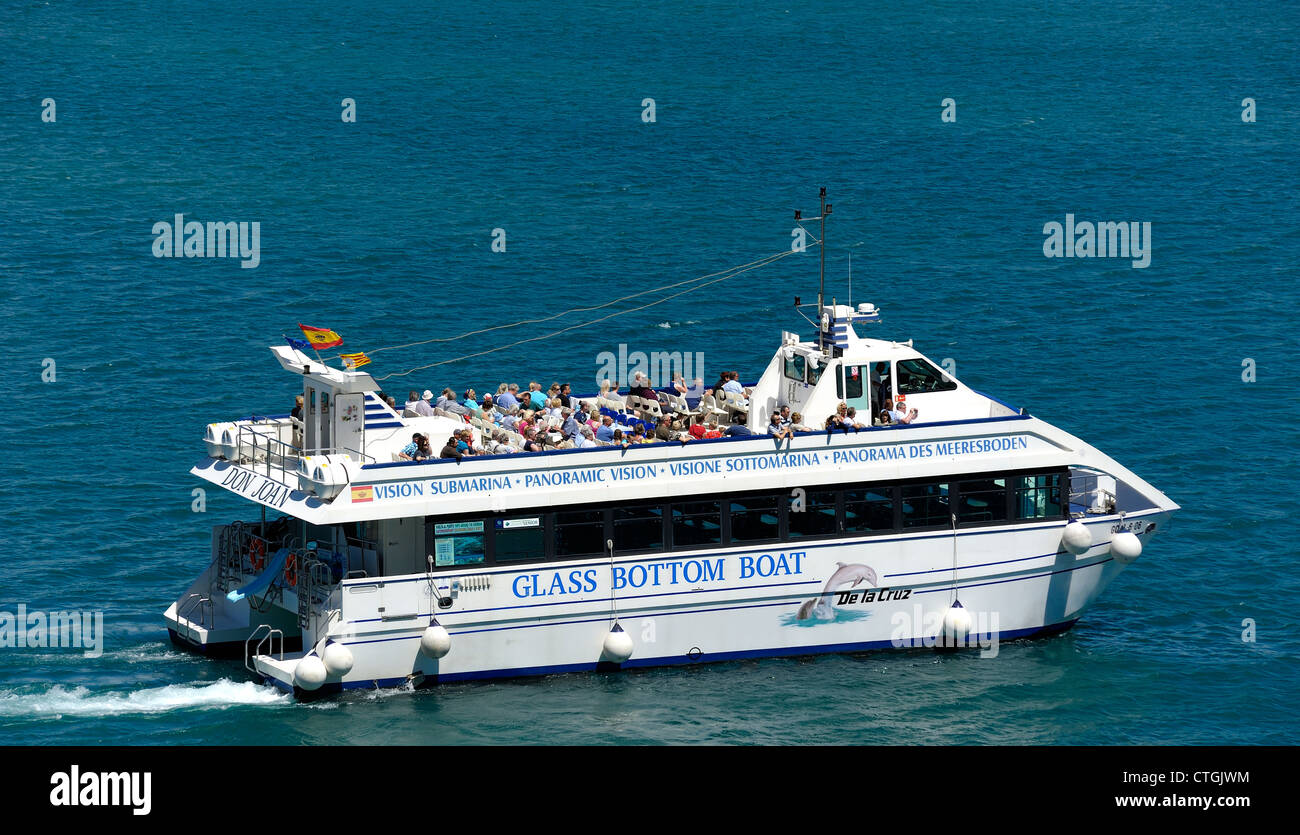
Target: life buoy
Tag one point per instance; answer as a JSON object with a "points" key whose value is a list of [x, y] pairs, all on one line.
{"points": [[291, 570], [257, 554]]}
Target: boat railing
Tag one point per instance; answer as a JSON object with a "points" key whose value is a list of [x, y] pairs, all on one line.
{"points": [[207, 617], [278, 458], [271, 456], [262, 640], [1088, 494]]}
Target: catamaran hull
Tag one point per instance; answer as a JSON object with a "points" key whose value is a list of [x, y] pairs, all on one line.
{"points": [[1012, 581]]}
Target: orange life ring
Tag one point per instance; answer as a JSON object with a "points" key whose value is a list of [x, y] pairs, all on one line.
{"points": [[257, 554], [291, 570]]}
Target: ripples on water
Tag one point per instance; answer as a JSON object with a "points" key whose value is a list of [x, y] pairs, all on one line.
{"points": [[472, 121]]}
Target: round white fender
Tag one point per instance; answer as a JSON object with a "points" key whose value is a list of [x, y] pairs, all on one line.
{"points": [[310, 673], [338, 659], [1077, 538], [436, 640], [1125, 547], [618, 645], [956, 626]]}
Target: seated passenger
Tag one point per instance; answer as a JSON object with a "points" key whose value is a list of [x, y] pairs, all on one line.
{"points": [[450, 450], [776, 429], [569, 426], [618, 438], [464, 442], [586, 438], [899, 413], [606, 430], [852, 418], [471, 402], [738, 427], [664, 431], [839, 420], [510, 398], [565, 395], [409, 452], [797, 425], [535, 394], [531, 444], [641, 388]]}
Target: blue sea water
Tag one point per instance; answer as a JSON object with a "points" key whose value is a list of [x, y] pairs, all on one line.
{"points": [[528, 118]]}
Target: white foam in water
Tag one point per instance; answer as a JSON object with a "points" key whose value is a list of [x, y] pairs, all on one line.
{"points": [[80, 701]]}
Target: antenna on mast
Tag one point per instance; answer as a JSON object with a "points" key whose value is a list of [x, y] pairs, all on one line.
{"points": [[821, 282]]}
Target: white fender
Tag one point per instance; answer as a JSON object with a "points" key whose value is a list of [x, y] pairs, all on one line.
{"points": [[436, 640], [1077, 538], [618, 645], [310, 673], [338, 659], [1125, 547]]}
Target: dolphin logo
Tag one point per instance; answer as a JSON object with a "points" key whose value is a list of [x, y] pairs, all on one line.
{"points": [[820, 605]]}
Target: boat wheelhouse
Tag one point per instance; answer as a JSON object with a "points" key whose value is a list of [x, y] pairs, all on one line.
{"points": [[974, 523]]}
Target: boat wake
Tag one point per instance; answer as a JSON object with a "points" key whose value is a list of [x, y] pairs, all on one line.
{"points": [[60, 701]]}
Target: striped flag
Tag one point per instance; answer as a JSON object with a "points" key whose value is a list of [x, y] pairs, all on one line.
{"points": [[354, 360], [363, 493], [320, 337]]}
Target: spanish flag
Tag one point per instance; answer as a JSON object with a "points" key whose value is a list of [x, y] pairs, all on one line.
{"points": [[363, 493], [320, 337], [354, 360]]}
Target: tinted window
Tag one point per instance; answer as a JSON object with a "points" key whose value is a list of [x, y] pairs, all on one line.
{"points": [[579, 533], [853, 379], [869, 509], [794, 367], [925, 505], [696, 524], [520, 538], [1038, 496], [918, 377], [638, 528], [814, 515], [984, 500], [754, 518], [815, 372]]}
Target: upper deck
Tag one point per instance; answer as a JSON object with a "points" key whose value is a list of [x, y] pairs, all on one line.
{"points": [[342, 460]]}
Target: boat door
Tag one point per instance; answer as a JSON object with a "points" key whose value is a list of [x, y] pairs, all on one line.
{"points": [[349, 414], [857, 392]]}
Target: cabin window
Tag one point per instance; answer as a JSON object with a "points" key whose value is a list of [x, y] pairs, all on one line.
{"points": [[853, 380], [638, 528], [815, 373], [925, 505], [869, 509], [519, 538], [794, 367], [755, 518], [458, 543], [916, 376], [813, 514], [696, 524], [982, 500], [1038, 496], [579, 533]]}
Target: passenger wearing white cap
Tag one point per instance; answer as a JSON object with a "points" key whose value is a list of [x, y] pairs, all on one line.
{"points": [[423, 408]]}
